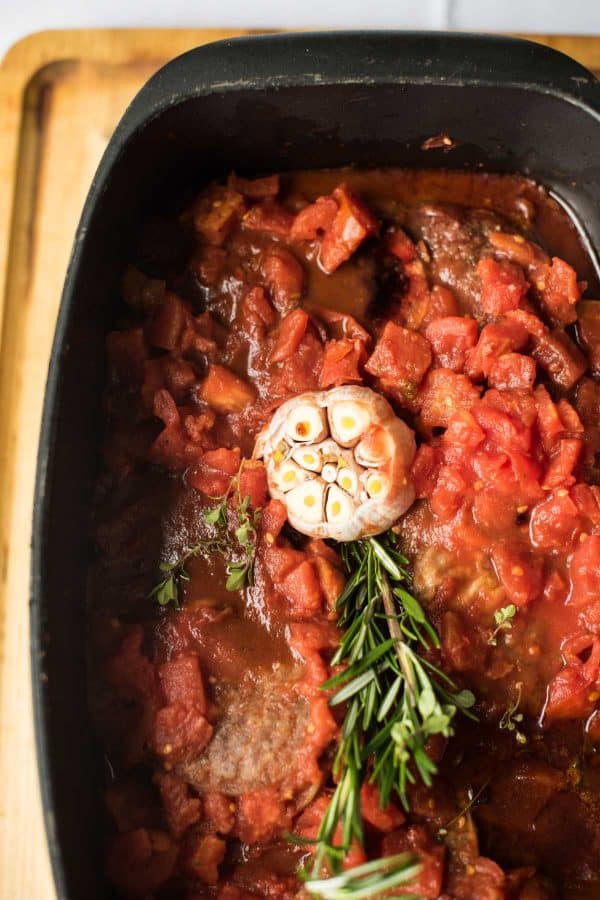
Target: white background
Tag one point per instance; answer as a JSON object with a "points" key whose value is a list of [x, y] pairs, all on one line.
{"points": [[21, 17]]}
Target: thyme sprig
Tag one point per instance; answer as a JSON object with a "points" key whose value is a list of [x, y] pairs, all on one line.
{"points": [[240, 571], [503, 620], [396, 698]]}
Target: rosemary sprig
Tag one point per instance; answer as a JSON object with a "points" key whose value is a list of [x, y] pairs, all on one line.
{"points": [[240, 572], [369, 880], [396, 699]]}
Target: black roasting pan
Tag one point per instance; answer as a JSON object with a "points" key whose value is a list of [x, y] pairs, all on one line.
{"points": [[253, 104]]}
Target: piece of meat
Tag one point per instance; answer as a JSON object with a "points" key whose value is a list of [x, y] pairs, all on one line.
{"points": [[257, 740], [456, 239]]}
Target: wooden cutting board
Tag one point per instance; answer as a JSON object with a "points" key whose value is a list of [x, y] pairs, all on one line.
{"points": [[61, 95]]}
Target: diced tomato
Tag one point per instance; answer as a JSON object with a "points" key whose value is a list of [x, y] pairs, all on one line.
{"points": [[204, 855], [512, 370], [223, 459], [342, 362], [273, 519], [569, 695], [504, 431], [353, 223], [212, 475], [180, 733], [253, 483], [181, 808], [558, 290], [448, 493], [439, 303], [533, 325], [443, 393], [284, 278], [555, 521], [587, 499], [503, 286], [181, 682], [569, 417], [494, 507], [262, 816], [584, 570], [269, 216], [424, 470], [400, 245], [495, 340], [451, 337], [588, 330], [255, 188], [291, 332], [527, 473], [224, 391], [302, 591], [216, 215], [314, 220], [280, 561], [139, 862], [165, 327], [516, 248], [519, 572], [257, 310], [556, 353], [127, 353], [172, 448], [550, 425], [384, 819], [400, 359], [518, 404], [462, 436], [563, 461]]}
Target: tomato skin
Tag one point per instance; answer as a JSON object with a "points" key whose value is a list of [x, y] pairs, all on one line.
{"points": [[451, 337], [568, 695], [291, 331], [284, 278], [519, 572], [554, 522], [342, 362], [584, 570], [257, 310], [353, 223], [503, 286]]}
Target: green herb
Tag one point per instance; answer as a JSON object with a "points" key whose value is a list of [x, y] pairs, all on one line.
{"points": [[396, 699], [503, 618], [473, 797], [240, 572], [511, 718], [369, 880], [167, 589]]}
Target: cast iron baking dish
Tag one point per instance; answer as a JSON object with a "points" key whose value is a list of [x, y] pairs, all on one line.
{"points": [[255, 104]]}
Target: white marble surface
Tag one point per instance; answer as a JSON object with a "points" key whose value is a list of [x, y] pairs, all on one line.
{"points": [[543, 16]]}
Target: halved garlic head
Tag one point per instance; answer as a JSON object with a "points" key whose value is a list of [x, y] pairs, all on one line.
{"points": [[340, 462]]}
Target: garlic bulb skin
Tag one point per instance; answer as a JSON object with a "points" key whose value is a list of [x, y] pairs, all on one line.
{"points": [[340, 462]]}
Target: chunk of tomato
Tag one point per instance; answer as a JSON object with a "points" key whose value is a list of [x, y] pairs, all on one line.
{"points": [[353, 223], [503, 286], [451, 337], [291, 331], [443, 393], [342, 362]]}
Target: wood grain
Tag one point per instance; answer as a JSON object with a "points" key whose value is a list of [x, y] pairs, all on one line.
{"points": [[61, 94]]}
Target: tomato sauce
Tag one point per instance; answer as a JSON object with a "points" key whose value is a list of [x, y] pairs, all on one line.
{"points": [[468, 301]]}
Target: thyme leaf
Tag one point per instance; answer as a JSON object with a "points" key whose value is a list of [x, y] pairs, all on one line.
{"points": [[503, 619]]}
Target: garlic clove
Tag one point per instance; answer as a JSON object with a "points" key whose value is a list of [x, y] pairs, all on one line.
{"points": [[306, 422], [309, 458], [348, 420], [374, 449], [288, 475], [305, 503], [339, 507]]}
